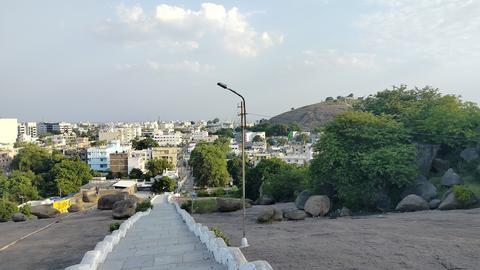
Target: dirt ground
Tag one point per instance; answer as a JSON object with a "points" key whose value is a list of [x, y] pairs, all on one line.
{"points": [[61, 245], [427, 240]]}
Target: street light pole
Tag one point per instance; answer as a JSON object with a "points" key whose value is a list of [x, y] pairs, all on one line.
{"points": [[243, 123]]}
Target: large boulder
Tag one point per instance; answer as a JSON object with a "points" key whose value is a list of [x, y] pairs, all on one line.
{"points": [[89, 196], [345, 212], [124, 209], [421, 187], [449, 202], [74, 208], [317, 205], [44, 211], [266, 215], [229, 204], [440, 165], [106, 201], [277, 214], [265, 200], [302, 199], [425, 155], [412, 203], [295, 214], [469, 154], [451, 178], [433, 204], [19, 217]]}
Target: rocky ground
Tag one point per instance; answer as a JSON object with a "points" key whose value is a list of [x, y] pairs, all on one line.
{"points": [[60, 245], [427, 240]]}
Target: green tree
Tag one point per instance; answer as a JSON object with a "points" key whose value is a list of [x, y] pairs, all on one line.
{"points": [[257, 138], [164, 184], [136, 173], [32, 158], [7, 209], [156, 166], [19, 187], [283, 186], [144, 144], [209, 165], [69, 175], [234, 168], [360, 154], [302, 138], [224, 132], [264, 169]]}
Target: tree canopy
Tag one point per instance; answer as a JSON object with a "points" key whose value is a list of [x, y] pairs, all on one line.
{"points": [[70, 174], [156, 166], [209, 165], [144, 143]]}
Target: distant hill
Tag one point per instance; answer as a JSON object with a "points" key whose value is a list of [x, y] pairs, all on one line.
{"points": [[311, 116]]}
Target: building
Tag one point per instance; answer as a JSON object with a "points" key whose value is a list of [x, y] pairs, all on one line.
{"points": [[168, 153], [119, 163], [28, 129], [59, 128], [168, 139], [250, 135], [98, 158], [8, 131], [138, 159]]}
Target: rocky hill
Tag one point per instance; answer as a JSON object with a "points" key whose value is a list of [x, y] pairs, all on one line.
{"points": [[311, 116]]}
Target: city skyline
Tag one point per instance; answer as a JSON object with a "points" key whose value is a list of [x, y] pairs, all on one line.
{"points": [[142, 60]]}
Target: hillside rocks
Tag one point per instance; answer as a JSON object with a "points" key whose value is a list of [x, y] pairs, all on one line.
{"points": [[440, 165], [74, 208], [317, 205], [295, 214], [423, 188], [106, 201], [89, 196], [450, 202], [412, 203], [469, 154], [345, 212], [44, 211], [18, 217], [302, 199], [451, 178], [228, 204], [124, 208], [265, 200], [433, 204], [270, 214], [425, 155]]}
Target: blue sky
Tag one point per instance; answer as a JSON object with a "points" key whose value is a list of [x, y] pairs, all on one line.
{"points": [[147, 60]]}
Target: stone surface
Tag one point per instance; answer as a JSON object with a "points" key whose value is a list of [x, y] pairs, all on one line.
{"points": [[19, 217], [425, 155], [440, 165], [106, 201], [317, 205], [124, 208], [266, 215], [421, 187], [277, 214], [451, 178], [449, 202], [345, 212], [229, 204], [295, 214], [265, 200], [44, 211], [74, 208], [469, 154], [412, 203], [433, 204], [302, 199], [89, 196]]}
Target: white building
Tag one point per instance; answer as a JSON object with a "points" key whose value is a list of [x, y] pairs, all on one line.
{"points": [[250, 135], [29, 129], [168, 139], [8, 131], [98, 158], [137, 159]]}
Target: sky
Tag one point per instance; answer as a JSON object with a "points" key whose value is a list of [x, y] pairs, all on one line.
{"points": [[110, 60]]}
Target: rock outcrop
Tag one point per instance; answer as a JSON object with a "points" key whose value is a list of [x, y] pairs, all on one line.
{"points": [[106, 201], [302, 199], [451, 178], [124, 208], [229, 204], [412, 203], [18, 217], [317, 205], [421, 187], [44, 211], [295, 214]]}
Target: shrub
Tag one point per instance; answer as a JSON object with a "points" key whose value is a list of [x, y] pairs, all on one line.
{"points": [[113, 226], [203, 193], [218, 192], [463, 194], [26, 210], [144, 206], [220, 234], [164, 184], [283, 186], [200, 206], [7, 209]]}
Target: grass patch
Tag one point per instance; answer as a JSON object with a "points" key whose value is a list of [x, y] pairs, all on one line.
{"points": [[113, 226], [144, 206], [220, 234], [200, 205]]}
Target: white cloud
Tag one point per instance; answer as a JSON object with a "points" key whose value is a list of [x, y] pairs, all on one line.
{"points": [[328, 59], [183, 66], [212, 24], [438, 30]]}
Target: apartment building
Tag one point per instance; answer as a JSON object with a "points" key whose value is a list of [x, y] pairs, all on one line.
{"points": [[8, 131], [119, 163], [98, 158], [138, 159], [168, 153]]}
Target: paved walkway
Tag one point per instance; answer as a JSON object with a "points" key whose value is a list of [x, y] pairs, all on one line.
{"points": [[160, 240]]}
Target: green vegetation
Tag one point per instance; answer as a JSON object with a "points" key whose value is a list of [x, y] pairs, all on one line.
{"points": [[7, 209], [144, 144], [164, 184], [209, 164], [98, 143], [283, 186], [136, 174], [463, 195], [302, 138], [69, 174], [275, 129], [257, 138], [144, 206], [200, 205], [224, 132], [26, 209], [156, 166], [18, 187], [113, 226], [234, 168], [220, 234], [361, 154]]}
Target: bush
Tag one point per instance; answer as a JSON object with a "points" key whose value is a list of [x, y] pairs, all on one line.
{"points": [[218, 192], [283, 186], [113, 226], [7, 209], [26, 210], [200, 206], [203, 193], [463, 194], [144, 206], [164, 184], [220, 234]]}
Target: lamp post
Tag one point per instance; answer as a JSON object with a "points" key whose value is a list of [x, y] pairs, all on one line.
{"points": [[243, 118]]}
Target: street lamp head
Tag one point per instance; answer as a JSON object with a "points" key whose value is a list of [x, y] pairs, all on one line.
{"points": [[224, 86]]}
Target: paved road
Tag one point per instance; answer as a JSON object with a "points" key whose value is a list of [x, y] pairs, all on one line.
{"points": [[160, 241]]}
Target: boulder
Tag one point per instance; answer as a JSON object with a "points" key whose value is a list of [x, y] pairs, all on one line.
{"points": [[449, 202], [451, 178], [277, 214], [433, 204], [229, 204], [124, 209], [440, 165], [382, 201], [412, 203], [425, 155], [302, 199], [44, 211], [345, 212], [89, 196], [106, 201], [469, 154], [266, 215], [74, 208], [265, 200], [19, 217], [317, 205], [295, 214], [421, 187]]}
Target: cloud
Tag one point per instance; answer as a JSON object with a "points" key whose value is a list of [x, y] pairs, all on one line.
{"points": [[327, 59], [438, 30], [183, 66], [174, 26]]}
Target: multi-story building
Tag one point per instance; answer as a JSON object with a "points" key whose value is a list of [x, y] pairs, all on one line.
{"points": [[29, 129], [60, 128], [168, 139], [8, 131], [110, 135], [168, 153], [137, 159], [119, 163], [98, 158]]}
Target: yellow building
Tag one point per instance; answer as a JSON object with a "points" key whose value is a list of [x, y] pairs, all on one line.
{"points": [[168, 153]]}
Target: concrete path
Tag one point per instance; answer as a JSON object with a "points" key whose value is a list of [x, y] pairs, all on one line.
{"points": [[160, 240]]}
